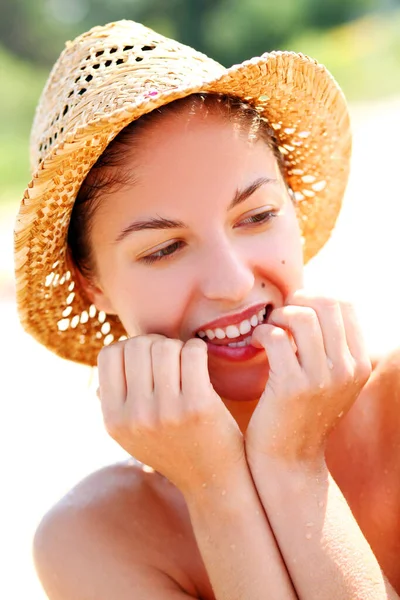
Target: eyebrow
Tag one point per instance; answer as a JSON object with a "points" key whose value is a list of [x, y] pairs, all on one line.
{"points": [[161, 223]]}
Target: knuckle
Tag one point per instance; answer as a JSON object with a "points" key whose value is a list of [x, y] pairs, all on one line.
{"points": [[278, 335], [135, 345], [162, 345], [363, 370], [346, 305], [105, 353], [344, 373], [194, 346], [305, 316]]}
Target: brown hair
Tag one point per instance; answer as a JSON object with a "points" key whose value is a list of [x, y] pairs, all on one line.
{"points": [[101, 180]]}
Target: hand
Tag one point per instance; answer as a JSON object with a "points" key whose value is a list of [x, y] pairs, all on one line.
{"points": [[159, 405], [318, 364]]}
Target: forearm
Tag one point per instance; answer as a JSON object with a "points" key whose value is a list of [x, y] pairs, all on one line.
{"points": [[323, 547], [236, 543]]}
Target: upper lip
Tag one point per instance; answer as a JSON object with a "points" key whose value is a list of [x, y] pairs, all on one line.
{"points": [[233, 318]]}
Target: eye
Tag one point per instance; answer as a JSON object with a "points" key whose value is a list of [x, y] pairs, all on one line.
{"points": [[163, 253], [259, 218]]}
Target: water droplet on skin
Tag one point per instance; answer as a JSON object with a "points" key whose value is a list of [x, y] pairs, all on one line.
{"points": [[308, 536], [204, 485], [233, 546], [320, 504], [223, 493], [385, 471], [213, 476], [329, 363], [340, 414], [321, 386], [195, 444], [319, 414], [309, 524]]}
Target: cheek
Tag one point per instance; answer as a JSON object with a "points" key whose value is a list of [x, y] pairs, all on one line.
{"points": [[155, 302], [282, 254]]}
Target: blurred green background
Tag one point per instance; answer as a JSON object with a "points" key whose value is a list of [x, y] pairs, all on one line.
{"points": [[358, 40]]}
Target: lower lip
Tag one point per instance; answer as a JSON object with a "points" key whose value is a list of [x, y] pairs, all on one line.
{"points": [[239, 354]]}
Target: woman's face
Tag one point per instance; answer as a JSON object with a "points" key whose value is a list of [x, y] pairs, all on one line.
{"points": [[203, 239]]}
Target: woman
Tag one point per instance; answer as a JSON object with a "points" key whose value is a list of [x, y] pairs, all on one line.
{"points": [[171, 206]]}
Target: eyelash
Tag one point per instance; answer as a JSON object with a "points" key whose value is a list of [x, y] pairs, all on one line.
{"points": [[258, 219]]}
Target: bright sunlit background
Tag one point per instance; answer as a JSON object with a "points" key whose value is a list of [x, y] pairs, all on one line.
{"points": [[51, 434]]}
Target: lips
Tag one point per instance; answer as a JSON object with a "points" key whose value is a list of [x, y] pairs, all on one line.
{"points": [[236, 328]]}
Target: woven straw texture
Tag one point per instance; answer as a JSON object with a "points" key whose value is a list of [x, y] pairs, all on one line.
{"points": [[111, 76]]}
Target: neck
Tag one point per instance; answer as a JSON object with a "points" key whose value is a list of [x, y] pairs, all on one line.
{"points": [[241, 411]]}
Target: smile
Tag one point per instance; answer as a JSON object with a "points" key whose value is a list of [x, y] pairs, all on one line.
{"points": [[240, 332]]}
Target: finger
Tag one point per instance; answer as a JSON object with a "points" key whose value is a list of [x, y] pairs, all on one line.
{"points": [[138, 366], [278, 347], [355, 338], [303, 325], [195, 378], [166, 361], [331, 323], [112, 382]]}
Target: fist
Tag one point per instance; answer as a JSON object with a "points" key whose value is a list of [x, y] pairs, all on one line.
{"points": [[159, 405], [318, 364]]}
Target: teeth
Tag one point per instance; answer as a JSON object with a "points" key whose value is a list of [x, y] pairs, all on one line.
{"points": [[234, 331], [254, 321], [240, 344], [245, 327]]}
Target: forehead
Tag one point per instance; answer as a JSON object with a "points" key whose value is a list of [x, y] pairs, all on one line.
{"points": [[198, 157]]}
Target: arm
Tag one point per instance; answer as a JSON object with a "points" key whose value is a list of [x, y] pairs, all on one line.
{"points": [[312, 383], [159, 405], [324, 549], [235, 541]]}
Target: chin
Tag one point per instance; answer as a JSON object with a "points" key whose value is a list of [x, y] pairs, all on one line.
{"points": [[240, 384]]}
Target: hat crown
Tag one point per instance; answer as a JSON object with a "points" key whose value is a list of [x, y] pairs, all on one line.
{"points": [[110, 67]]}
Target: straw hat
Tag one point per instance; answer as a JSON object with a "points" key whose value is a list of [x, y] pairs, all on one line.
{"points": [[109, 77]]}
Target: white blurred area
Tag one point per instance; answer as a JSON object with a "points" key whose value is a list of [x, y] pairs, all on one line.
{"points": [[52, 434]]}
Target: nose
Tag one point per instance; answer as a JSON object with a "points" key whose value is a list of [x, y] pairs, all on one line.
{"points": [[226, 274]]}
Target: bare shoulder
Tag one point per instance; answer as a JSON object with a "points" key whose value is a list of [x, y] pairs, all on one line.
{"points": [[123, 533]]}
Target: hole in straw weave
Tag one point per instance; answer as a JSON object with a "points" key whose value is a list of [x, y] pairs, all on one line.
{"points": [[112, 50], [96, 66], [146, 48], [99, 53], [65, 110], [63, 324], [139, 58], [127, 48], [108, 63], [89, 78], [108, 339], [82, 91]]}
